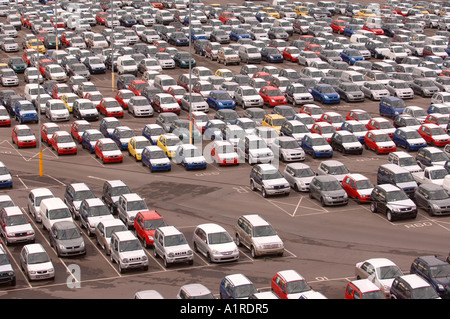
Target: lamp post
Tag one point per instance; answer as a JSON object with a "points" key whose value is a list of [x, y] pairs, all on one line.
{"points": [[190, 73], [41, 164]]}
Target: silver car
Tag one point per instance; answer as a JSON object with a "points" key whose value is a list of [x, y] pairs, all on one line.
{"points": [[328, 190], [288, 149], [299, 176], [67, 239], [214, 242], [104, 230]]}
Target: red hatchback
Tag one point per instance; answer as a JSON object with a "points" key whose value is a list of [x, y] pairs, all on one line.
{"points": [[287, 284], [123, 96], [358, 187], [47, 130], [23, 136], [108, 151], [272, 96], [78, 127], [145, 225], [379, 141], [372, 27], [434, 135], [338, 26], [137, 86], [363, 289]]}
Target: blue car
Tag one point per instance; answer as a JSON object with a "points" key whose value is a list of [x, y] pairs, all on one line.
{"points": [[190, 157], [236, 286], [351, 29], [351, 56], [325, 93], [152, 132], [409, 139], [6, 181], [220, 100], [108, 124], [122, 135], [391, 106], [316, 145], [357, 128], [271, 54], [89, 139], [239, 33], [24, 111], [155, 159], [438, 108], [198, 34], [433, 270]]}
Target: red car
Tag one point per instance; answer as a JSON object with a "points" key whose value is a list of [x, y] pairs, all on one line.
{"points": [[382, 124], [262, 75], [312, 110], [108, 151], [5, 119], [177, 92], [59, 89], [439, 119], [401, 10], [372, 27], [338, 26], [65, 37], [100, 17], [288, 283], [272, 96], [23, 136], [63, 143], [358, 115], [137, 86], [363, 289], [78, 127], [161, 45], [145, 225], [109, 106], [95, 97], [306, 37], [59, 23], [434, 134], [379, 141], [313, 47], [332, 118], [291, 54], [43, 63], [123, 96], [226, 15], [27, 53], [358, 187], [323, 128], [157, 5], [47, 130], [223, 153]]}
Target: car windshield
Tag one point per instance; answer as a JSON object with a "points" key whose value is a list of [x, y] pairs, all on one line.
{"points": [[4, 260], [440, 271], [438, 174], [403, 178], [136, 205], [129, 245], [82, 195], [65, 139], [426, 292], [396, 195], [59, 213], [100, 210], [151, 224], [193, 152], [407, 161], [109, 147], [174, 240], [16, 220], [111, 229], [409, 122], [219, 238], [331, 186], [377, 294], [263, 231], [38, 258], [319, 142], [24, 132], [364, 184], [38, 199], [389, 272], [327, 89], [439, 157], [383, 138], [297, 286], [338, 170], [303, 172], [244, 291], [67, 234]]}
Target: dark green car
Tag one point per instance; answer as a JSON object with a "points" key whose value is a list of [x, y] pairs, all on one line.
{"points": [[182, 60], [17, 64]]}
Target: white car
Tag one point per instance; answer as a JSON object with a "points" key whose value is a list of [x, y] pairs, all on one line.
{"points": [[53, 210], [288, 149], [56, 110], [127, 251], [93, 211], [36, 263], [10, 45], [139, 106], [194, 102], [55, 72], [400, 88], [299, 176], [190, 157], [165, 60], [15, 226], [215, 243], [396, 53], [381, 271]]}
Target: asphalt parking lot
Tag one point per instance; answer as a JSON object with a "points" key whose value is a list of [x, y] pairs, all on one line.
{"points": [[323, 244]]}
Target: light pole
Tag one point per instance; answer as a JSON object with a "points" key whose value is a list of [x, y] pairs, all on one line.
{"points": [[41, 164], [190, 73], [112, 45]]}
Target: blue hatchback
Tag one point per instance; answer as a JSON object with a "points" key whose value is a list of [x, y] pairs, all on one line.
{"points": [[325, 93], [272, 55], [24, 111], [89, 138], [155, 159], [391, 106], [316, 145], [220, 100], [351, 29], [409, 139], [239, 33], [351, 56]]}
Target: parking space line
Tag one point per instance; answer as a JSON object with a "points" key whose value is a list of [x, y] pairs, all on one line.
{"points": [[21, 181]]}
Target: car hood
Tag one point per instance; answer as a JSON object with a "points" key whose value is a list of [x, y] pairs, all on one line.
{"points": [[132, 254], [71, 242], [112, 153], [65, 145], [196, 159], [319, 148], [386, 144], [352, 144], [160, 161], [5, 268], [5, 177], [223, 247], [26, 138], [275, 239], [406, 203], [94, 220], [19, 228], [261, 151], [178, 248], [41, 266], [275, 182], [335, 193]]}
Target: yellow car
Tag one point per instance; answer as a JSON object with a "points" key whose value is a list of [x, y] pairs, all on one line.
{"points": [[68, 99], [136, 145], [365, 13], [169, 143], [37, 45], [301, 10], [3, 65], [224, 73], [272, 12], [274, 121], [422, 9]]}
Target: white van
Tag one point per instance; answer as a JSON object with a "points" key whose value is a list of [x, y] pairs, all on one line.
{"points": [[54, 210], [164, 81], [127, 65], [32, 90]]}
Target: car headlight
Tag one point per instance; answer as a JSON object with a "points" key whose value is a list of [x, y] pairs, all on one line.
{"points": [[150, 237], [124, 260]]}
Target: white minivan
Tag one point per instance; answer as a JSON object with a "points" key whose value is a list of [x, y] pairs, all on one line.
{"points": [[54, 210]]}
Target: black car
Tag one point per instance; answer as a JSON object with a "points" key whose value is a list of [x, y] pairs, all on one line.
{"points": [[78, 69], [392, 201], [127, 20], [412, 286], [178, 39], [346, 143], [124, 81], [435, 271], [405, 120], [111, 192], [199, 46]]}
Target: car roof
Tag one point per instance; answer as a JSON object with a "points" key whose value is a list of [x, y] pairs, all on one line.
{"points": [[365, 285], [211, 228], [13, 210], [415, 281], [357, 177], [255, 220], [41, 191], [64, 225], [290, 275], [169, 230], [238, 279], [433, 260], [380, 262], [131, 197], [124, 235], [195, 289], [34, 248]]}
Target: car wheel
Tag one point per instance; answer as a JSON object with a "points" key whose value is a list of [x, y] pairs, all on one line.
{"points": [[296, 188], [253, 252], [252, 185], [264, 193], [166, 264], [389, 216], [373, 207], [430, 211], [322, 202]]}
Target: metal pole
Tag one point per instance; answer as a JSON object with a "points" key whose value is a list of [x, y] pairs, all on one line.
{"points": [[56, 25], [190, 72], [112, 46], [41, 164]]}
